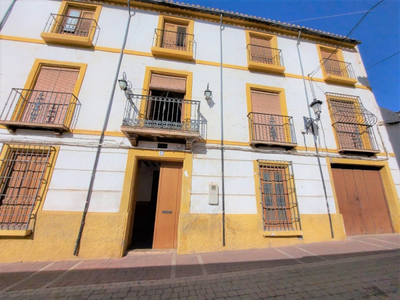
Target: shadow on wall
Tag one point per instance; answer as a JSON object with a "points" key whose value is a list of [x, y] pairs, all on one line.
{"points": [[391, 120], [363, 80]]}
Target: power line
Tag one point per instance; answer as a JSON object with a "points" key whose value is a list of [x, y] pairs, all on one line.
{"points": [[351, 31], [383, 60], [332, 16]]}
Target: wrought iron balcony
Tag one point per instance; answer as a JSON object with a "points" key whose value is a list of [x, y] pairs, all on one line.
{"points": [[40, 109], [163, 118], [261, 58], [337, 71], [271, 130], [69, 29], [352, 124], [173, 44]]}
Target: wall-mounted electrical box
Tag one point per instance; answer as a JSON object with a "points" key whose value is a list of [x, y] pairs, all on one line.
{"points": [[213, 194]]}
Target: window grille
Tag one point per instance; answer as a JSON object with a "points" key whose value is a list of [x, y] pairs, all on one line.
{"points": [[278, 196], [352, 123], [23, 177]]}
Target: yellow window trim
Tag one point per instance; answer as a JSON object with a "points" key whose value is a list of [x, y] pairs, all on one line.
{"points": [[129, 187], [365, 138], [168, 72], [43, 189], [269, 89], [257, 179], [257, 66], [37, 65], [333, 78], [389, 187], [157, 50], [65, 39]]}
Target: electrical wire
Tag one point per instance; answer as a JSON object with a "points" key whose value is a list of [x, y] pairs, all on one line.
{"points": [[381, 61], [332, 16], [351, 31]]}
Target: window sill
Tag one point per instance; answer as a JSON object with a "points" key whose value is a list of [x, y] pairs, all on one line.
{"points": [[365, 151], [64, 39], [282, 233], [339, 80], [15, 232], [170, 53], [255, 66], [286, 145], [12, 126]]}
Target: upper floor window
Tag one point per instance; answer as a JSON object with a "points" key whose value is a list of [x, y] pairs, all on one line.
{"points": [[48, 100], [269, 123], [334, 68], [352, 124], [173, 38], [74, 24], [263, 53]]}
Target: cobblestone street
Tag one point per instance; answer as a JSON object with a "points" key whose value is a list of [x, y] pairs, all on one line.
{"points": [[358, 268]]}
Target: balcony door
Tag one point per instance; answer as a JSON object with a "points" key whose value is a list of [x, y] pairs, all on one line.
{"points": [[48, 101], [332, 64], [267, 121], [165, 107], [77, 22], [261, 51], [174, 37]]}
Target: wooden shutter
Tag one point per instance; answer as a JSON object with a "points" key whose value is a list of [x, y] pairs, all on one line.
{"points": [[331, 65], [85, 23], [169, 36], [266, 103], [51, 96], [168, 83], [268, 124], [261, 50]]}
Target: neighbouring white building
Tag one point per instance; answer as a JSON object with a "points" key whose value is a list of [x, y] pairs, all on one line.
{"points": [[93, 170]]}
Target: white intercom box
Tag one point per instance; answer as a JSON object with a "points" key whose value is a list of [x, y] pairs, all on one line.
{"points": [[213, 193]]}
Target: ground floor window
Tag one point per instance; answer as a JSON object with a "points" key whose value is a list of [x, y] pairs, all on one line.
{"points": [[24, 172], [278, 196]]}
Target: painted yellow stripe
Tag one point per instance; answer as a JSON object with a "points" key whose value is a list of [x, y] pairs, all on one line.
{"points": [[148, 54]]}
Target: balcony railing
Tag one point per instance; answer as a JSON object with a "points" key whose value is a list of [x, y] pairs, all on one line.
{"points": [[273, 130], [163, 117], [355, 138], [173, 40], [265, 55], [71, 30], [40, 109], [338, 68]]}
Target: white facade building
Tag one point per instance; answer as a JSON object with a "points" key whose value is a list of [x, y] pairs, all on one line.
{"points": [[165, 176]]}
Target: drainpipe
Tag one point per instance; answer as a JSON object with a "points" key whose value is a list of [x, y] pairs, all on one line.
{"points": [[315, 139], [222, 139], [5, 17], [101, 140]]}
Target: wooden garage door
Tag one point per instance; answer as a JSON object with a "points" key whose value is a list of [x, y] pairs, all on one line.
{"points": [[361, 199]]}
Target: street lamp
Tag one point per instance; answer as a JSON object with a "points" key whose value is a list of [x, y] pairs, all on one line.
{"points": [[124, 84], [208, 93], [310, 124]]}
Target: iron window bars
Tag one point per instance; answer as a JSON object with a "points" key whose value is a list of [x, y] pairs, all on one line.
{"points": [[352, 123], [164, 113], [278, 196], [338, 68], [271, 128], [174, 40], [23, 176], [41, 107], [71, 25], [265, 55]]}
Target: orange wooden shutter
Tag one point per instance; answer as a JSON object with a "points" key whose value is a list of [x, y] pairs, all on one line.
{"points": [[169, 36], [260, 50], [266, 103], [168, 83], [56, 79]]}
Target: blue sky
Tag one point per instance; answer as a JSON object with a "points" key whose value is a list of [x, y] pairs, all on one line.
{"points": [[379, 32]]}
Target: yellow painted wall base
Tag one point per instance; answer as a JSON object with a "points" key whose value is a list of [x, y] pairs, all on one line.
{"points": [[55, 234], [203, 232]]}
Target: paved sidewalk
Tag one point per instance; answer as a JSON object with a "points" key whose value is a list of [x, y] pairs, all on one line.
{"points": [[364, 267]]}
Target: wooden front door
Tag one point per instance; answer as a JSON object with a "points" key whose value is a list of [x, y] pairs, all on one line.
{"points": [[361, 199], [168, 206]]}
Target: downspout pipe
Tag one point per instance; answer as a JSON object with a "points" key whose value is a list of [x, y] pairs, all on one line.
{"points": [[222, 137], [101, 139], [315, 138], [5, 17]]}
